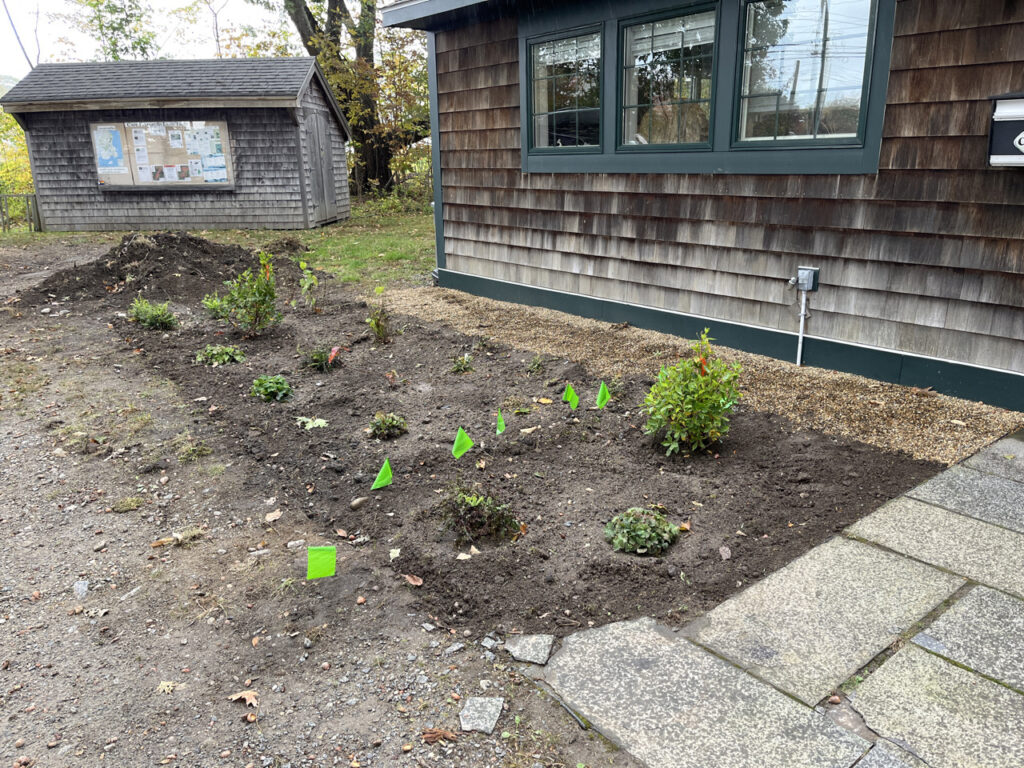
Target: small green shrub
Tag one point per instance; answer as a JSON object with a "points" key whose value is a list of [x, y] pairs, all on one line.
{"points": [[387, 426], [536, 365], [156, 317], [641, 531], [474, 515], [689, 405], [271, 388], [380, 319], [219, 354], [462, 363], [323, 359], [250, 301], [308, 284]]}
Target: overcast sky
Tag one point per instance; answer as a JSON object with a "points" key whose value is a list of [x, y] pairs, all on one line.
{"points": [[177, 40]]}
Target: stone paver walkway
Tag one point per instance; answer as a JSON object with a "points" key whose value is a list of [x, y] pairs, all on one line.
{"points": [[917, 612]]}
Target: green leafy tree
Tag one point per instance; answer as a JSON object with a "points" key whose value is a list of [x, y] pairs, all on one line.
{"points": [[15, 172], [123, 28], [379, 77]]}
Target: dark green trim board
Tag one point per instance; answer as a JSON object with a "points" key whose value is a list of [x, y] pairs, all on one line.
{"points": [[726, 154], [435, 149], [999, 388]]}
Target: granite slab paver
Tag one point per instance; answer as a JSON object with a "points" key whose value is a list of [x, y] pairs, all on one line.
{"points": [[984, 631], [674, 705], [811, 625], [981, 552], [987, 497], [947, 716], [885, 755], [1004, 457], [481, 713], [534, 649]]}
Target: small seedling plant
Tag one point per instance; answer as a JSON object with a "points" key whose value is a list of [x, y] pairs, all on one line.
{"points": [[380, 319], [219, 354], [250, 303], [310, 423], [640, 531], [388, 426], [271, 388], [689, 405], [462, 363], [474, 515], [323, 359], [308, 284], [156, 317]]}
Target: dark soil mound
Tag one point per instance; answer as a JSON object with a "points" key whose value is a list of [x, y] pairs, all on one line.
{"points": [[166, 266]]}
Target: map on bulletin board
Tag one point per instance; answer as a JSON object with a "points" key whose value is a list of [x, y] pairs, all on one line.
{"points": [[163, 153]]}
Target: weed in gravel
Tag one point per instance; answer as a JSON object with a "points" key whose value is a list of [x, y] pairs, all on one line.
{"points": [[485, 344], [271, 388], [387, 426], [689, 405], [474, 515], [380, 319], [322, 359], [220, 354], [536, 366], [188, 536], [462, 363], [127, 504], [189, 449], [249, 303], [640, 531], [156, 317]]}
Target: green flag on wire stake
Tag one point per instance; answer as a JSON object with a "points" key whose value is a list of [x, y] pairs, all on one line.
{"points": [[462, 443], [320, 562], [603, 395], [383, 477], [501, 422], [571, 397]]}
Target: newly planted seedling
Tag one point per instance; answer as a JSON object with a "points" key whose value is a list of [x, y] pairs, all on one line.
{"points": [[250, 301], [380, 319], [308, 284], [219, 354], [323, 359], [640, 531], [474, 515], [387, 426], [271, 388], [156, 317], [462, 363]]}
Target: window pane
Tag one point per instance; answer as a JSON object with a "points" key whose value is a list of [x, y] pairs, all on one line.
{"points": [[666, 73], [803, 68], [565, 78]]}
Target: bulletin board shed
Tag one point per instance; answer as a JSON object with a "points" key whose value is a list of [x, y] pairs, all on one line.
{"points": [[213, 144]]}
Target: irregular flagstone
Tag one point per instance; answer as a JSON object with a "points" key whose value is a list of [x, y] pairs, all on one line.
{"points": [[981, 552], [885, 755], [983, 631], [481, 713], [534, 649], [809, 626], [674, 705], [987, 497], [947, 716], [1004, 457]]}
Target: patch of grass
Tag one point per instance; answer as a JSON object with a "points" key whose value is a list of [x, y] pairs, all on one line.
{"points": [[155, 317], [128, 504], [20, 379], [189, 449], [213, 470]]}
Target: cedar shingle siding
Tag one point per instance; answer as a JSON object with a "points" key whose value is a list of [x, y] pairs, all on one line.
{"points": [[924, 257]]}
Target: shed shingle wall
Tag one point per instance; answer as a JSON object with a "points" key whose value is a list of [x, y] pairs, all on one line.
{"points": [[314, 100], [264, 150], [926, 257]]}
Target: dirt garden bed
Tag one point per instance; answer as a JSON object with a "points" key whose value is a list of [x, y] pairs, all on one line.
{"points": [[771, 491]]}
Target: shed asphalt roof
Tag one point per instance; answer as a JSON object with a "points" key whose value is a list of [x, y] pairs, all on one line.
{"points": [[199, 78]]}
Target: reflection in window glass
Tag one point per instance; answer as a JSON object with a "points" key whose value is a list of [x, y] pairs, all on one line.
{"points": [[566, 78], [666, 80], [803, 69]]}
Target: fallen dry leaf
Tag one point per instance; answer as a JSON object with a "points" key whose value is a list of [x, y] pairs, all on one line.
{"points": [[529, 430], [163, 542], [416, 581], [434, 735], [341, 532], [272, 516], [545, 400], [685, 526], [250, 697]]}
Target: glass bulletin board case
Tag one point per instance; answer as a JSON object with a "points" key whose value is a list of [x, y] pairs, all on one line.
{"points": [[163, 155]]}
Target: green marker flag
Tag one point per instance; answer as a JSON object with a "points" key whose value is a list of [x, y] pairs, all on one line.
{"points": [[603, 395], [501, 422], [320, 562], [462, 443], [383, 477], [571, 397]]}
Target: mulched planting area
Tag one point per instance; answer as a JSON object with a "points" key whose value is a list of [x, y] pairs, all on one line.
{"points": [[768, 493]]}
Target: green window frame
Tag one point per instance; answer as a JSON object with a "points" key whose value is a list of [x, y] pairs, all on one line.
{"points": [[727, 150], [666, 91], [567, 91]]}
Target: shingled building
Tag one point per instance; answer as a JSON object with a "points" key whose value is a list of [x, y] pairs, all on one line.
{"points": [[217, 143]]}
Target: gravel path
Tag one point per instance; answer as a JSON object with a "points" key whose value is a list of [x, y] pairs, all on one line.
{"points": [[923, 423]]}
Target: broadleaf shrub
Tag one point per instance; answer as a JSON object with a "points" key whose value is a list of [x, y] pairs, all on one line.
{"points": [[474, 515], [271, 388], [689, 405], [250, 303], [640, 531]]}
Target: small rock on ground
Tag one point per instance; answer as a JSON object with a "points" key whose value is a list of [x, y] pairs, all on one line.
{"points": [[534, 649], [481, 713]]}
